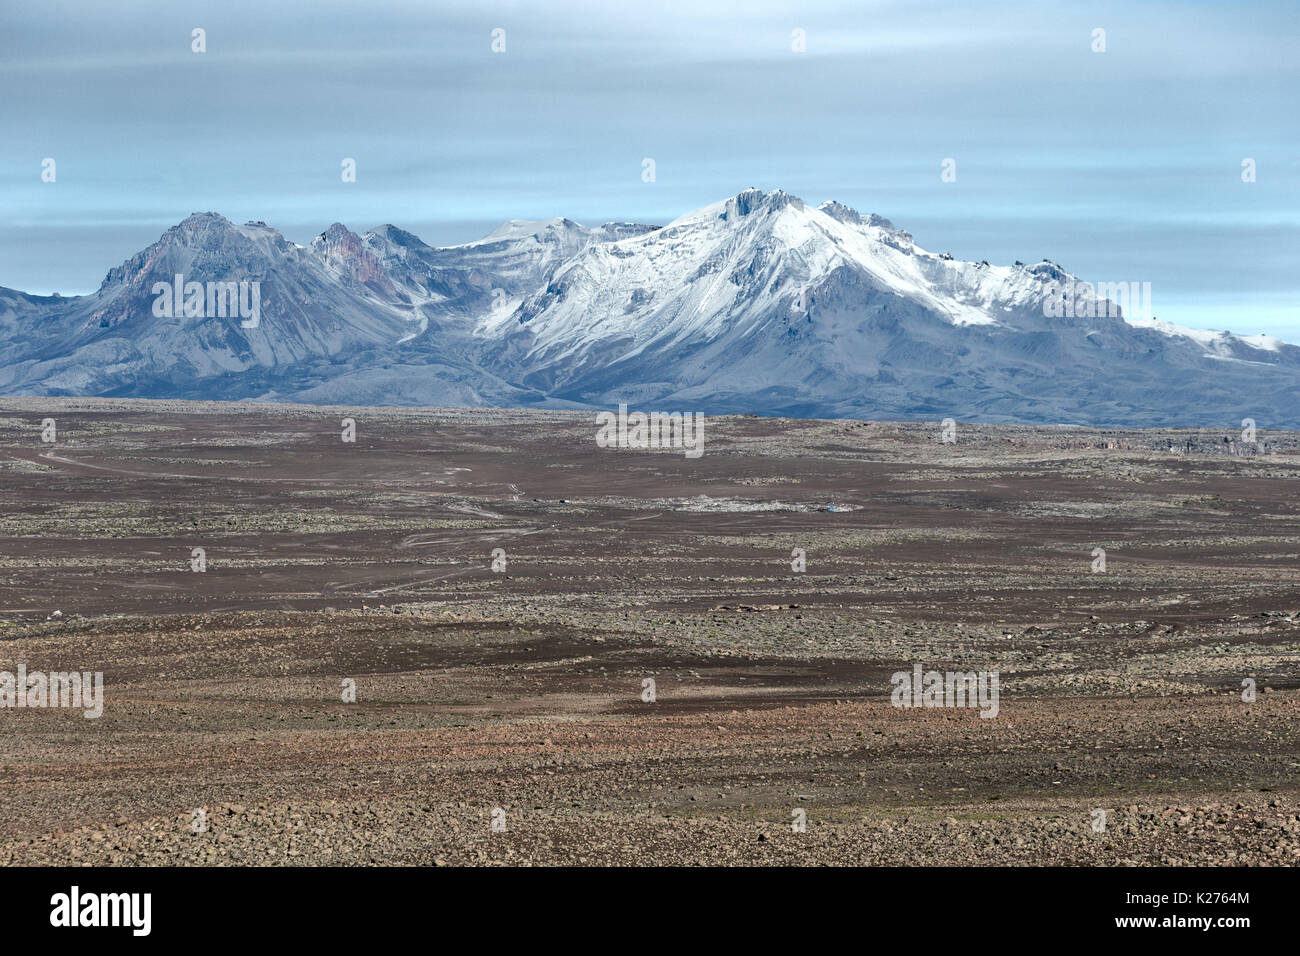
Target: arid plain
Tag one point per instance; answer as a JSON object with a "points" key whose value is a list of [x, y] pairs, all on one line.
{"points": [[500, 716]]}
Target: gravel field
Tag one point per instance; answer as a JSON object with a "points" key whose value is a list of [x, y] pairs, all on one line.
{"points": [[349, 681]]}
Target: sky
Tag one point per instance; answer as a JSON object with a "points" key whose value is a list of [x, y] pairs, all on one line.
{"points": [[1122, 165]]}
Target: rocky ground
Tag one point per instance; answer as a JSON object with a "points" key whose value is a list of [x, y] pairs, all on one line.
{"points": [[1149, 707]]}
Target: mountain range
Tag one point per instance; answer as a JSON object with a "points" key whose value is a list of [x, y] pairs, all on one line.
{"points": [[758, 303]]}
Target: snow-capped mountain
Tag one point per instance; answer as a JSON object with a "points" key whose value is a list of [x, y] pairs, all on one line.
{"points": [[758, 303]]}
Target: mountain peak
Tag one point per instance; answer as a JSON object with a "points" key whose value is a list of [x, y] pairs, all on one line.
{"points": [[840, 212], [750, 200], [335, 234], [201, 236], [847, 214], [345, 252], [397, 236], [524, 228], [744, 203], [211, 230], [199, 228], [198, 218]]}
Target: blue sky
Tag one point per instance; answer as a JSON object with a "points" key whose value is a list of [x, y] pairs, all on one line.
{"points": [[1122, 166]]}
